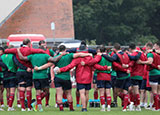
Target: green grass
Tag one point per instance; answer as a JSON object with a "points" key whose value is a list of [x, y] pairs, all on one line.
{"points": [[55, 111]]}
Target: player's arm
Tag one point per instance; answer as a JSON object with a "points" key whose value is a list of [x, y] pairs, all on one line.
{"points": [[3, 65], [93, 60], [34, 51], [76, 55], [21, 66], [148, 62], [21, 56], [56, 59], [135, 58], [11, 51], [45, 66], [102, 68]]}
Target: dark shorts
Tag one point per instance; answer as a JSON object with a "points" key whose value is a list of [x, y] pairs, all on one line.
{"points": [[135, 82], [49, 78], [26, 77], [1, 81], [65, 84], [94, 79], [41, 83], [83, 86], [144, 86], [154, 79], [104, 84], [123, 83], [10, 83], [113, 81]]}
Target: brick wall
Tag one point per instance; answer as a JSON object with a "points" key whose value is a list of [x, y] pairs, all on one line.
{"points": [[35, 17]]}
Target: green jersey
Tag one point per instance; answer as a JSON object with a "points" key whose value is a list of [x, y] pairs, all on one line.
{"points": [[153, 72], [7, 59], [104, 62], [39, 60], [64, 61]]}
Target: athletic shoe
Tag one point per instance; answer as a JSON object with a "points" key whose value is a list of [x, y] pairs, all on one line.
{"points": [[2, 105], [78, 105], [108, 108], [23, 109], [56, 105], [103, 108], [131, 106], [47, 105], [153, 109], [41, 110], [138, 108], [1, 109], [19, 105], [84, 110], [30, 109], [72, 110], [124, 110], [11, 109], [34, 106]]}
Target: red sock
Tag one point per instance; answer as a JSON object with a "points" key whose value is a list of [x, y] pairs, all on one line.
{"points": [[22, 98], [95, 94], [56, 97], [39, 101], [18, 102], [156, 101], [11, 99], [47, 98], [60, 106], [43, 94], [109, 99], [131, 97], [2, 101], [7, 100], [77, 97], [102, 99], [29, 98], [71, 105], [121, 95], [159, 101], [125, 101], [64, 96], [137, 99]]}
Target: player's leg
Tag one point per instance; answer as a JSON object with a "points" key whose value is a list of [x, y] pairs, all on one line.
{"points": [[108, 93]]}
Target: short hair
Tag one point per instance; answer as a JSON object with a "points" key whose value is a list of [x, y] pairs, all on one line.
{"points": [[102, 49], [1, 48], [41, 42], [10, 46], [26, 41], [62, 48], [149, 44], [83, 43], [158, 43], [132, 46], [117, 46]]}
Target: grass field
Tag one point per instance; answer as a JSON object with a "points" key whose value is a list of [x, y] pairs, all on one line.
{"points": [[91, 111]]}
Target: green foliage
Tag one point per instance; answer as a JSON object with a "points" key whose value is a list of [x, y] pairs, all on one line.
{"points": [[116, 20]]}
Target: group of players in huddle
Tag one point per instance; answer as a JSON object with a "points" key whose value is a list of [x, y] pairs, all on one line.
{"points": [[130, 70]]}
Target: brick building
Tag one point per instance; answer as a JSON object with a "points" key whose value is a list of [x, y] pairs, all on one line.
{"points": [[35, 17]]}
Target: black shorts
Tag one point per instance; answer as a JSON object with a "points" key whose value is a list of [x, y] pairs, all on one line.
{"points": [[154, 79], [41, 83], [83, 86], [49, 78], [135, 82], [123, 83], [113, 81], [65, 84], [144, 86], [26, 77], [1, 81], [10, 83], [104, 84], [94, 79]]}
